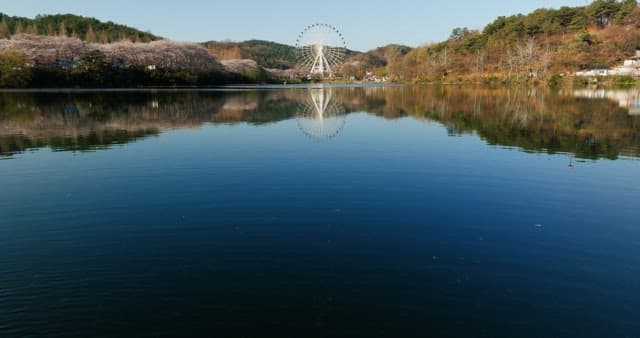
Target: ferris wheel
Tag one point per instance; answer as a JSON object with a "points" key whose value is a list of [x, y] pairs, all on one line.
{"points": [[320, 117], [320, 49]]}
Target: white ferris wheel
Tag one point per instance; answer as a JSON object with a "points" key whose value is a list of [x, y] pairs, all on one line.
{"points": [[320, 49]]}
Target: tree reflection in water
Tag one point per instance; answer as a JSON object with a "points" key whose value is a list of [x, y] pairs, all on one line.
{"points": [[534, 120]]}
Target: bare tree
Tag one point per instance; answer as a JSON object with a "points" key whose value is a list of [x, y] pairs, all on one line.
{"points": [[526, 53], [480, 61]]}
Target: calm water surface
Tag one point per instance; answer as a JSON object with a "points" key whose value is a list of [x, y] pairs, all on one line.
{"points": [[388, 211]]}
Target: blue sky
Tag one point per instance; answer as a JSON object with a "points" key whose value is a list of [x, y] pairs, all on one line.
{"points": [[365, 24]]}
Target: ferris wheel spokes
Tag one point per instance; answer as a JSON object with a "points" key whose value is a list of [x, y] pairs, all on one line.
{"points": [[320, 50], [321, 116], [321, 64]]}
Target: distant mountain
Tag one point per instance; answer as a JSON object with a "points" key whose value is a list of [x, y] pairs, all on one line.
{"points": [[376, 60], [69, 25], [266, 53]]}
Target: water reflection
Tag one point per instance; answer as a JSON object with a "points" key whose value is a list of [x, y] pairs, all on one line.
{"points": [[628, 99], [530, 119], [321, 117]]}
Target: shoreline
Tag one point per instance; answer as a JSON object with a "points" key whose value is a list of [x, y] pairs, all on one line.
{"points": [[553, 82], [208, 88]]}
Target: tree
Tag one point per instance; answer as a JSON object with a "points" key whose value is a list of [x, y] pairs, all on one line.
{"points": [[626, 8], [93, 70], [19, 28], [578, 22], [103, 37], [458, 33], [602, 11], [32, 29], [14, 71], [91, 35], [94, 62], [62, 30], [565, 15], [480, 55], [4, 29], [494, 27]]}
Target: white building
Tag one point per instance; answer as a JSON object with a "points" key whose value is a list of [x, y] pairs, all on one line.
{"points": [[630, 67]]}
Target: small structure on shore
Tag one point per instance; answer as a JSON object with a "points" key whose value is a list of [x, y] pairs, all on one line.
{"points": [[630, 67]]}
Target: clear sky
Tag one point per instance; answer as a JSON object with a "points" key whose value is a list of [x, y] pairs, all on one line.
{"points": [[365, 24]]}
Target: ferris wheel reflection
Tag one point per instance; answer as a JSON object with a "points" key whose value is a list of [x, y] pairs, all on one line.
{"points": [[321, 117]]}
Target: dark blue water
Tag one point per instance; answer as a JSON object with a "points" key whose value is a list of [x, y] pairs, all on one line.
{"points": [[393, 212]]}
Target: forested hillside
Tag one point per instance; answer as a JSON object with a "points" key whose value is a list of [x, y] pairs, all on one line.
{"points": [[69, 25], [381, 61], [267, 54], [539, 44]]}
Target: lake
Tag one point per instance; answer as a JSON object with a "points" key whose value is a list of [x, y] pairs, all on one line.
{"points": [[392, 211]]}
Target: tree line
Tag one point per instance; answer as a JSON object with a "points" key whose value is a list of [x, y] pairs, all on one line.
{"points": [[69, 25], [95, 70]]}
